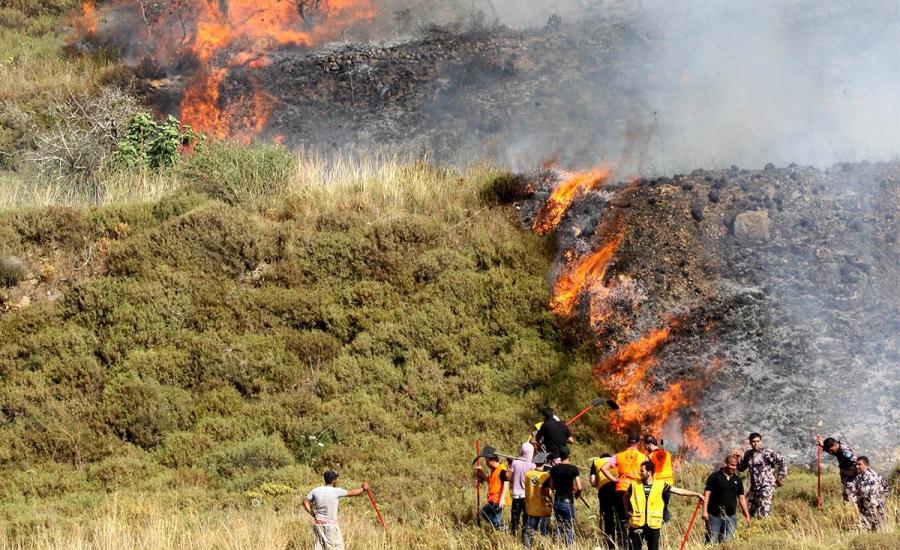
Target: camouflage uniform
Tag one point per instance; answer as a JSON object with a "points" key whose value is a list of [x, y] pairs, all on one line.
{"points": [[766, 466], [847, 464], [870, 492]]}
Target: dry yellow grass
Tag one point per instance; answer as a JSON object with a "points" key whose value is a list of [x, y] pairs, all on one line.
{"points": [[439, 517]]}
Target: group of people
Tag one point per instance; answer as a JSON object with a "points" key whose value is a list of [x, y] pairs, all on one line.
{"points": [[634, 487]]}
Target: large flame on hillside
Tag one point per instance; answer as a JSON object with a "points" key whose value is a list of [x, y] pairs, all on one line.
{"points": [[628, 374], [222, 35], [565, 194], [585, 275]]}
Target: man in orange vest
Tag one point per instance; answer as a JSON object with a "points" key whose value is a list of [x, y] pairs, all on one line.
{"points": [[628, 464], [662, 465], [498, 487]]}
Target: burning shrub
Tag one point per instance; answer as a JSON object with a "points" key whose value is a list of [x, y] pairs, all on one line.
{"points": [[238, 174]]}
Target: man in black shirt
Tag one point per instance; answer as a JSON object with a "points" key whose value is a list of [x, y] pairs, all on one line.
{"points": [[553, 434], [724, 490], [565, 480]]}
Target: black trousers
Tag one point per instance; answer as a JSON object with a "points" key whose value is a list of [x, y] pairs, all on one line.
{"points": [[517, 512], [637, 538], [621, 518], [607, 497]]}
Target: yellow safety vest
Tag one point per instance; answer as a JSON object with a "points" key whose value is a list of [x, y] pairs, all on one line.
{"points": [[537, 499], [647, 511], [601, 479], [629, 464], [662, 466]]}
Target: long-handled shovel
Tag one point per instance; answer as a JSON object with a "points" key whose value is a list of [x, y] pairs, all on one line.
{"points": [[377, 511], [477, 484], [819, 479], [687, 533], [595, 403]]}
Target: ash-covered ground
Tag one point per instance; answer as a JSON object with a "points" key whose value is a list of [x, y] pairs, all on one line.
{"points": [[455, 96], [786, 286]]}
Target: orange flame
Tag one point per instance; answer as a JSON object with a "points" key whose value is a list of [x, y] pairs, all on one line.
{"points": [[586, 274], [549, 216], [222, 34], [694, 441], [85, 23]]}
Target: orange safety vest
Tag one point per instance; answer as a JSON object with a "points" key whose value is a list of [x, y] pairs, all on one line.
{"points": [[662, 466], [495, 486], [629, 464]]}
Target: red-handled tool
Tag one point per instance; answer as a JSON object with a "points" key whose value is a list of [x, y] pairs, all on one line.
{"points": [[375, 505], [690, 525]]}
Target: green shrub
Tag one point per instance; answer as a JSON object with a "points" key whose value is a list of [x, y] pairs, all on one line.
{"points": [[257, 453], [148, 144], [12, 270], [216, 241], [141, 411], [182, 449], [238, 174]]}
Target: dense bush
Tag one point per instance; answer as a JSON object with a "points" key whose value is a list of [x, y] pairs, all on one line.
{"points": [[217, 346], [236, 174]]}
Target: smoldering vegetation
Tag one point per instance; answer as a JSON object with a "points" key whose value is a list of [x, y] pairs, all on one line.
{"points": [[781, 288]]}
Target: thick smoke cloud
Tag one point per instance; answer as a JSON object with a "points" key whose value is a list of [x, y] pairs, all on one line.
{"points": [[722, 82]]}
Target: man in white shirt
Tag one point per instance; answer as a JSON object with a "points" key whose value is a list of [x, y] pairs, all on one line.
{"points": [[322, 504]]}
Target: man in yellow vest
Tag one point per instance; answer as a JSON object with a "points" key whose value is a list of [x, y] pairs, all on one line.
{"points": [[628, 465], [538, 501], [644, 503], [606, 495], [662, 465]]}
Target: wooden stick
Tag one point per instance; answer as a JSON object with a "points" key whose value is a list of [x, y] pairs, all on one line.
{"points": [[690, 525], [375, 505], [477, 485], [819, 478]]}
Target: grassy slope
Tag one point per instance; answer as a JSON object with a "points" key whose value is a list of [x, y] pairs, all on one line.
{"points": [[179, 352]]}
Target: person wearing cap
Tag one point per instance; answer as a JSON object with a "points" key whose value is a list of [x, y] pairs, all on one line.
{"points": [[662, 466], [517, 471], [628, 465], [498, 486], [767, 471], [322, 504], [645, 502], [538, 500], [606, 496], [565, 480]]}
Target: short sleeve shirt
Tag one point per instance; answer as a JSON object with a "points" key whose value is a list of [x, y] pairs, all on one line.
{"points": [[324, 501], [554, 434], [563, 476], [724, 493]]}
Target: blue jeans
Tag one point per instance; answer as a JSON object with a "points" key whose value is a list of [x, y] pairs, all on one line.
{"points": [[565, 520], [494, 514], [720, 529], [532, 524]]}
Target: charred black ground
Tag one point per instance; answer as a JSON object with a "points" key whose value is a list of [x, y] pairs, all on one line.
{"points": [[787, 286]]}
